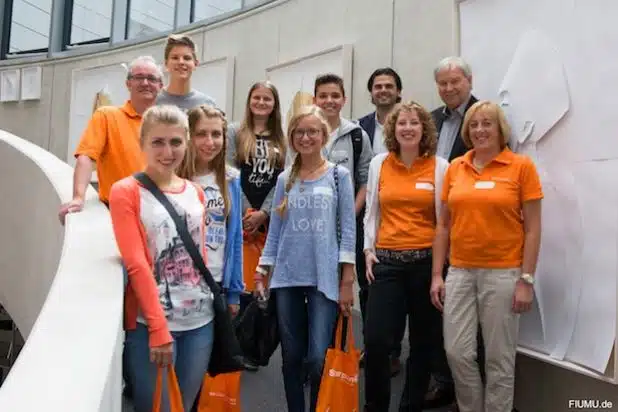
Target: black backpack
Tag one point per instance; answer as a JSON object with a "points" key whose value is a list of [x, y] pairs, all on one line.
{"points": [[357, 148]]}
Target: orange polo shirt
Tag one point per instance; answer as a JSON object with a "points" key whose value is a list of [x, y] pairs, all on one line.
{"points": [[111, 140], [487, 228], [407, 204]]}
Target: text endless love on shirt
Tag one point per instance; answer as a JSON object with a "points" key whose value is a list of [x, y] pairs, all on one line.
{"points": [[301, 205]]}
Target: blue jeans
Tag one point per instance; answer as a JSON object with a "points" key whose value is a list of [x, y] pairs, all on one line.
{"points": [[305, 328], [192, 350]]}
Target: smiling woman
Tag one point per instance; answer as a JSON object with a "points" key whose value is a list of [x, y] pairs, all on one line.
{"points": [[180, 63], [168, 306]]}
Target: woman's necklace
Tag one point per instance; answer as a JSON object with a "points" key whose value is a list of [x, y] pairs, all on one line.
{"points": [[310, 174]]}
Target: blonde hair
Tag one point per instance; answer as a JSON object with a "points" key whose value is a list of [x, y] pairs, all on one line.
{"points": [[165, 114], [187, 168], [498, 115], [300, 99], [429, 139], [246, 137], [304, 112], [174, 40]]}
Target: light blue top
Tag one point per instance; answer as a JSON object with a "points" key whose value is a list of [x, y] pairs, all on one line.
{"points": [[302, 244]]}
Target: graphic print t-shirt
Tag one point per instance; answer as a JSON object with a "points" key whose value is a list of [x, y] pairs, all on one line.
{"points": [[215, 225], [183, 293], [259, 175]]}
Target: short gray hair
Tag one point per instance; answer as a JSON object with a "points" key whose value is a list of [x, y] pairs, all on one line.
{"points": [[144, 60], [453, 62]]}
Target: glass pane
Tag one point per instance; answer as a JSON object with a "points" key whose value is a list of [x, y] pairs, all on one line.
{"points": [[205, 9], [30, 23], [91, 20], [150, 17]]}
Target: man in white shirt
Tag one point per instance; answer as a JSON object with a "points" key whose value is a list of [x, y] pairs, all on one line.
{"points": [[385, 86]]}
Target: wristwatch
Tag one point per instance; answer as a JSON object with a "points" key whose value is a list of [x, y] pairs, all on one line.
{"points": [[527, 278]]}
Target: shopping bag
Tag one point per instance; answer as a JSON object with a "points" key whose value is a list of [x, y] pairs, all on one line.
{"points": [[221, 393], [252, 246], [339, 385], [257, 330], [173, 389]]}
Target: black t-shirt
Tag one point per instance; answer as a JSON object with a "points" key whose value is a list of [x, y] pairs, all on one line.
{"points": [[259, 175]]}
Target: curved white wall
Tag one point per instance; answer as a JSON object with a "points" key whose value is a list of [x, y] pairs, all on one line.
{"points": [[61, 285]]}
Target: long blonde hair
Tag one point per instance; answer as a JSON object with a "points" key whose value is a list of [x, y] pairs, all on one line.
{"points": [[303, 112], [246, 137], [187, 168]]}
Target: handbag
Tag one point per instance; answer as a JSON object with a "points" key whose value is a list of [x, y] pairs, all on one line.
{"points": [[226, 355], [220, 394], [339, 385], [257, 330], [175, 397]]}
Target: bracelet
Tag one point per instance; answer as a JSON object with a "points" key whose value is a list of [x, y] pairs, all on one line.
{"points": [[261, 271]]}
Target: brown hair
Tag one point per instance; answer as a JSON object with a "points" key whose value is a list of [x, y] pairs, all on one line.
{"points": [[303, 112], [246, 137], [328, 78], [498, 114], [164, 114], [187, 168], [174, 40], [429, 139]]}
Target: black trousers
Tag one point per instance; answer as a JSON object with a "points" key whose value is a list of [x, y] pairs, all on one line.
{"points": [[363, 292], [400, 290]]}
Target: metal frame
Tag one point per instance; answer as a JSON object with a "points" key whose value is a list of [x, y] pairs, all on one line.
{"points": [[59, 45]]}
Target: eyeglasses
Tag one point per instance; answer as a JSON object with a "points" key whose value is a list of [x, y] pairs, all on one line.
{"points": [[142, 77], [299, 133]]}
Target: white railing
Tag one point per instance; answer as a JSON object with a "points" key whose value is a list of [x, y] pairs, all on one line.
{"points": [[62, 285]]}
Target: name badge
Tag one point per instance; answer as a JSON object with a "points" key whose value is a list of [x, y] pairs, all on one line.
{"points": [[424, 186], [484, 185]]}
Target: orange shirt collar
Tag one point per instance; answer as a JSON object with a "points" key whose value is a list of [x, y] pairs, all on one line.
{"points": [[505, 157], [128, 108]]}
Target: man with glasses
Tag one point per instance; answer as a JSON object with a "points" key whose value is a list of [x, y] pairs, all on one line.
{"points": [[111, 139]]}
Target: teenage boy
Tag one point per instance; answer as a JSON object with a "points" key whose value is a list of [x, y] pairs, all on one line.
{"points": [[348, 145]]}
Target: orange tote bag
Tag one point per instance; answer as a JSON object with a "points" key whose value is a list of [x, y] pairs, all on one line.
{"points": [[172, 387], [339, 386], [221, 393]]}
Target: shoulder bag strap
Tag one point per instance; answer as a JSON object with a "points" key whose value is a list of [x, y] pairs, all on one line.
{"points": [[336, 176], [181, 228]]}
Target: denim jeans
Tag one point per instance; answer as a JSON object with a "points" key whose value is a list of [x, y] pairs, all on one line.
{"points": [[400, 290], [306, 325], [192, 350]]}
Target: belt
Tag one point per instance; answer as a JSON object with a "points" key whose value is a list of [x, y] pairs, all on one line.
{"points": [[403, 256]]}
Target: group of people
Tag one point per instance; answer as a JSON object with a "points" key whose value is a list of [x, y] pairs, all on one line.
{"points": [[430, 212]]}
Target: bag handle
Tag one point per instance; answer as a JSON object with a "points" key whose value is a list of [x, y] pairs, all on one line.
{"points": [[339, 334], [183, 231], [175, 397]]}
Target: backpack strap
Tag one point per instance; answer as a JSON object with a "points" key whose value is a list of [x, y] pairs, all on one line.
{"points": [[357, 148]]}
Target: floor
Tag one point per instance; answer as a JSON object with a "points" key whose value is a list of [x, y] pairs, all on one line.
{"points": [[262, 391]]}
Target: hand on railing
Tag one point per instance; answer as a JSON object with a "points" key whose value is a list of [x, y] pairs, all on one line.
{"points": [[74, 206]]}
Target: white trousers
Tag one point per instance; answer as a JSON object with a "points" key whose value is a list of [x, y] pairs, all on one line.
{"points": [[482, 296]]}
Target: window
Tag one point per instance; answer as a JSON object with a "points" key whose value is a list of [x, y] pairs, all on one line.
{"points": [[206, 9], [150, 17], [29, 26], [91, 21]]}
